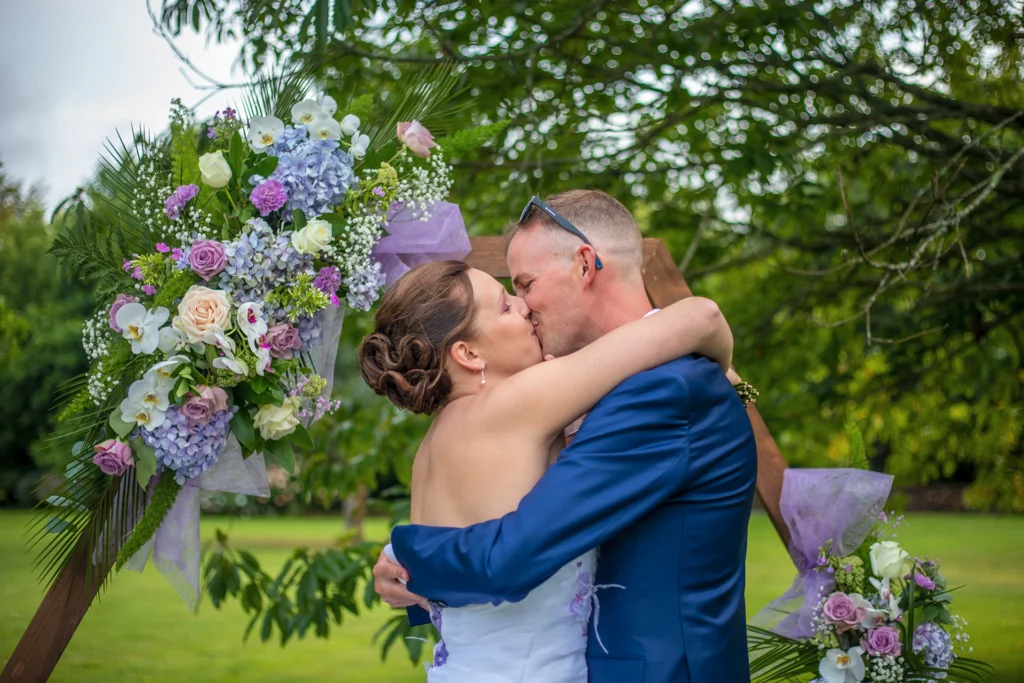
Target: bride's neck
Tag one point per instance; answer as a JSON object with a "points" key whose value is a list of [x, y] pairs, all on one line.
{"points": [[471, 384]]}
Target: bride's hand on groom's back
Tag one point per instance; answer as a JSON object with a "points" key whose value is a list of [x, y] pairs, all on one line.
{"points": [[389, 582]]}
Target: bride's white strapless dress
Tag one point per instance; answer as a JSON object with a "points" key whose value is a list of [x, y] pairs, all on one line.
{"points": [[541, 639]]}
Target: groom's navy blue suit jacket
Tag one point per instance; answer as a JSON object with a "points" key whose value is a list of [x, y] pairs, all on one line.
{"points": [[661, 476]]}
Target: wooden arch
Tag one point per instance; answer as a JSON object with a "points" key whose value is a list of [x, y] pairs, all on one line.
{"points": [[64, 606]]}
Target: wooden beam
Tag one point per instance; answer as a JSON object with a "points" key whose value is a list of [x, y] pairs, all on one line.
{"points": [[665, 285], [57, 617]]}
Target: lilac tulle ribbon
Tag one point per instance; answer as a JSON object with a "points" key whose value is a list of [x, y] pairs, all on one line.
{"points": [[821, 505], [175, 546], [411, 241]]}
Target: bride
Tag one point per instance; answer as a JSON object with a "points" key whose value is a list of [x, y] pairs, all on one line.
{"points": [[450, 341]]}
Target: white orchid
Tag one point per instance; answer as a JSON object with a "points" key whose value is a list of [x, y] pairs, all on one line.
{"points": [[350, 124], [141, 327], [360, 143], [324, 129], [873, 618], [252, 323], [264, 131], [328, 105], [262, 358], [162, 370], [146, 404], [306, 112], [172, 339], [885, 592], [227, 361], [842, 667]]}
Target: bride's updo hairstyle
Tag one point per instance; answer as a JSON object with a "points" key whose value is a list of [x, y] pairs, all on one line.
{"points": [[419, 319]]}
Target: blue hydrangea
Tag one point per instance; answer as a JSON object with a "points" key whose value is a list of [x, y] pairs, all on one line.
{"points": [[316, 174], [932, 641], [189, 451], [364, 287], [260, 261]]}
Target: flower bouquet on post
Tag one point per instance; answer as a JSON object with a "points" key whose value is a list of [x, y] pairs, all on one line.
{"points": [[861, 608], [226, 252]]}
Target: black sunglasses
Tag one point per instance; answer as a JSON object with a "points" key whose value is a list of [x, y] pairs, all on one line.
{"points": [[561, 221]]}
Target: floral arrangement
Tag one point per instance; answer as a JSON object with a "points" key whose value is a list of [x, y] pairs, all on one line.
{"points": [[228, 251], [874, 613]]}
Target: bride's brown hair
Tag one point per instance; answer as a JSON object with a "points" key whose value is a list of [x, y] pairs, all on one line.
{"points": [[419, 319]]}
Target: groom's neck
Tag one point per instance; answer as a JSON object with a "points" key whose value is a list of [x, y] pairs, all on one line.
{"points": [[617, 308]]}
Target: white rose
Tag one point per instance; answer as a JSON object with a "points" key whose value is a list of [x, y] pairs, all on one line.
{"points": [[214, 169], [277, 421], [889, 561], [312, 238]]}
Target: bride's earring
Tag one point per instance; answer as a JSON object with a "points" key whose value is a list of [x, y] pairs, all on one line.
{"points": [[483, 379]]}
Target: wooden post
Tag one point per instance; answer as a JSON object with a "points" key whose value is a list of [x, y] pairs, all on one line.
{"points": [[665, 285]]}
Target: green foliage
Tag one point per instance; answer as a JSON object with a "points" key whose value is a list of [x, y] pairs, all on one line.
{"points": [[466, 142], [184, 145], [302, 296], [174, 289], [164, 495]]}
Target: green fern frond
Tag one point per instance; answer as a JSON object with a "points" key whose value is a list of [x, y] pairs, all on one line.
{"points": [[464, 142], [858, 452]]}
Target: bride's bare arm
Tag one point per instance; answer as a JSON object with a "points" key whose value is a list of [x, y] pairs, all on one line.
{"points": [[548, 396]]}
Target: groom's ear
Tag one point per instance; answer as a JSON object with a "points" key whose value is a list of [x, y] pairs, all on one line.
{"points": [[586, 263], [463, 355]]}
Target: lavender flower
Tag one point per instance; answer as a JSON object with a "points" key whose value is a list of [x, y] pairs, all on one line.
{"points": [[188, 451], [268, 197], [931, 641], [178, 199], [328, 280], [206, 258]]}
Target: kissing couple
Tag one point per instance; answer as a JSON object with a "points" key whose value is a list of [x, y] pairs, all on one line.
{"points": [[543, 549]]}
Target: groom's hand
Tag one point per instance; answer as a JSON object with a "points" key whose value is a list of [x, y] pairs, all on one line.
{"points": [[389, 582]]}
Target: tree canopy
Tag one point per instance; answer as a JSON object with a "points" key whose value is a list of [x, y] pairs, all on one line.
{"points": [[843, 177]]}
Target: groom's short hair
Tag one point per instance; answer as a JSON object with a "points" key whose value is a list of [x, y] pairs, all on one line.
{"points": [[608, 225]]}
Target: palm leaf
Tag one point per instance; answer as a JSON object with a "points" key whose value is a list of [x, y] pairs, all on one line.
{"points": [[777, 658], [275, 94], [417, 97]]}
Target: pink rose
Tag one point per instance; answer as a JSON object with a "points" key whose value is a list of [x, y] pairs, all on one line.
{"points": [[841, 611], [119, 301], [884, 640], [112, 457], [207, 258], [282, 340], [416, 137], [199, 409]]}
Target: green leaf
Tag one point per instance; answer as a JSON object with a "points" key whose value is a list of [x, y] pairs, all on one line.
{"points": [[236, 152], [120, 427], [301, 438], [243, 429], [281, 451], [263, 168], [299, 219], [145, 462], [858, 453]]}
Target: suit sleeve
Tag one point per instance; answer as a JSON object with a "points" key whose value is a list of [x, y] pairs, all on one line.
{"points": [[630, 455]]}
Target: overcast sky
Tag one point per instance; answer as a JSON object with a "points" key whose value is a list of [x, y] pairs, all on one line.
{"points": [[72, 72]]}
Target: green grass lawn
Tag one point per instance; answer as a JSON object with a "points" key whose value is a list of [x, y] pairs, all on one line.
{"points": [[141, 630]]}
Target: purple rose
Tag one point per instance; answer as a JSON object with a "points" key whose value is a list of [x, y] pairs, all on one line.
{"points": [[178, 199], [207, 258], [923, 581], [112, 457], [199, 409], [884, 640], [282, 340], [841, 611], [119, 301], [268, 197]]}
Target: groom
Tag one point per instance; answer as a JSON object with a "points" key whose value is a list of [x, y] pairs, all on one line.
{"points": [[660, 475]]}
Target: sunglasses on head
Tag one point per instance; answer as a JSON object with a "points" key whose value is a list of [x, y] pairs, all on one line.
{"points": [[560, 220]]}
